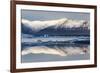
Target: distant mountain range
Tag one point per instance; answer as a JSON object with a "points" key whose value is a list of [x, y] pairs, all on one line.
{"points": [[58, 27]]}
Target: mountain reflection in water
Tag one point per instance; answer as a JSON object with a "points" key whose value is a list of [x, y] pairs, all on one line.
{"points": [[44, 51]]}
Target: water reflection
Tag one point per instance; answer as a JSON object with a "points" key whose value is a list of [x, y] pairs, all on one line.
{"points": [[57, 50], [56, 53]]}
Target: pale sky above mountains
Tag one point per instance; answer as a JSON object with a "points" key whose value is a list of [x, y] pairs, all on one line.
{"points": [[39, 15]]}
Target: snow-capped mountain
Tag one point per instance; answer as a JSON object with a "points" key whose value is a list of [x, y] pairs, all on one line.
{"points": [[63, 22], [56, 27]]}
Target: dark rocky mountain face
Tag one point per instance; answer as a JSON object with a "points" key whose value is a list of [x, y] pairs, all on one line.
{"points": [[60, 31], [26, 30], [64, 31]]}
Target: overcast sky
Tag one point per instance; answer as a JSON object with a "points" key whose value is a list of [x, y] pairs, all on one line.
{"points": [[50, 15]]}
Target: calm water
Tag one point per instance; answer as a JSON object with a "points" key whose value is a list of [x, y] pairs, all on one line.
{"points": [[46, 49]]}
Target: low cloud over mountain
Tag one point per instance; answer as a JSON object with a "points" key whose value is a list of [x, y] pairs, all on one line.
{"points": [[57, 27]]}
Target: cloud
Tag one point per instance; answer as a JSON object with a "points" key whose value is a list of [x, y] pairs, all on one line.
{"points": [[63, 22]]}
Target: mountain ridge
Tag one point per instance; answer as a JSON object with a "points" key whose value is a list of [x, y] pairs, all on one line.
{"points": [[62, 26], [63, 22]]}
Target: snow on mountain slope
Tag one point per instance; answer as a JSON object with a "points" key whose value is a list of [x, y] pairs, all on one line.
{"points": [[55, 51], [63, 22]]}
